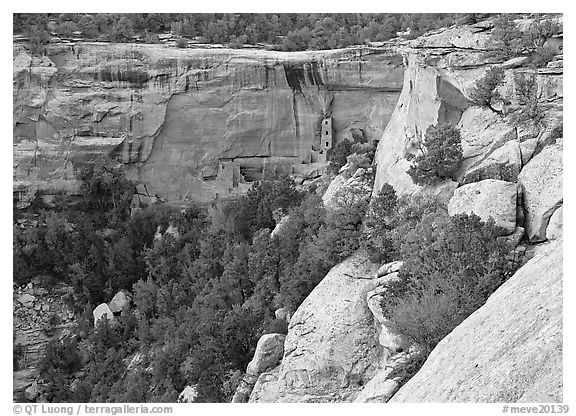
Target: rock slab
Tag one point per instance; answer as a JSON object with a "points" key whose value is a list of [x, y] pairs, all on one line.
{"points": [[489, 198], [331, 349], [541, 182], [509, 350]]}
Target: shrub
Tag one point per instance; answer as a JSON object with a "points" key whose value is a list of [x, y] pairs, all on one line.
{"points": [[540, 31], [485, 93], [507, 40], [181, 43], [339, 154], [17, 355], [541, 57], [528, 94], [297, 40], [376, 234], [557, 131], [277, 326], [451, 266], [440, 158], [151, 38]]}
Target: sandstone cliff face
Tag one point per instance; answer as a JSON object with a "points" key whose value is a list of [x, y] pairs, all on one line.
{"points": [[509, 350], [177, 114]]}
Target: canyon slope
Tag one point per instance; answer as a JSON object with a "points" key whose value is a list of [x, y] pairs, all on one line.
{"points": [[511, 348], [178, 117]]}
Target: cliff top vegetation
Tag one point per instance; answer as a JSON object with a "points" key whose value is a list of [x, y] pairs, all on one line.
{"points": [[287, 31]]}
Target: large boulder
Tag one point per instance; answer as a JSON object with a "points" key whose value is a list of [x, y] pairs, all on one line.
{"points": [[555, 225], [541, 182], [101, 311], [332, 347], [120, 302], [489, 198], [489, 145], [188, 395], [27, 300], [504, 164], [268, 354], [509, 350]]}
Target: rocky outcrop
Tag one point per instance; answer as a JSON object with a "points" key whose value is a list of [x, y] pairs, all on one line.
{"points": [[268, 354], [399, 352], [440, 71], [509, 350], [345, 189], [488, 199], [503, 164], [541, 182], [39, 315], [172, 113], [331, 349]]}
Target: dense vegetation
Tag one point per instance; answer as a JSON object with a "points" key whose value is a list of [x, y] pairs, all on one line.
{"points": [[508, 40], [201, 298], [451, 266], [290, 31]]}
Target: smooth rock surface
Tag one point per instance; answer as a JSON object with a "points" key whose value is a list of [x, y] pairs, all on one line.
{"points": [[266, 388], [541, 182], [101, 311], [489, 198], [503, 164], [509, 350], [332, 348], [268, 353], [555, 226], [120, 302]]}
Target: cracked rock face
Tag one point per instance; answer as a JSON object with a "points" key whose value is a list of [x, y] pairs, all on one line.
{"points": [[331, 349], [176, 113], [541, 181], [509, 350], [268, 354], [39, 314], [489, 198], [441, 68]]}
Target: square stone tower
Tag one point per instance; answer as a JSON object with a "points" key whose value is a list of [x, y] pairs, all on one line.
{"points": [[325, 139]]}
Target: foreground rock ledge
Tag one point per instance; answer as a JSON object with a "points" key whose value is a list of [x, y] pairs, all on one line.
{"points": [[509, 350]]}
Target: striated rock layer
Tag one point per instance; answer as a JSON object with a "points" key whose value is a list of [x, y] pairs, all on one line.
{"points": [[175, 115], [509, 350]]}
